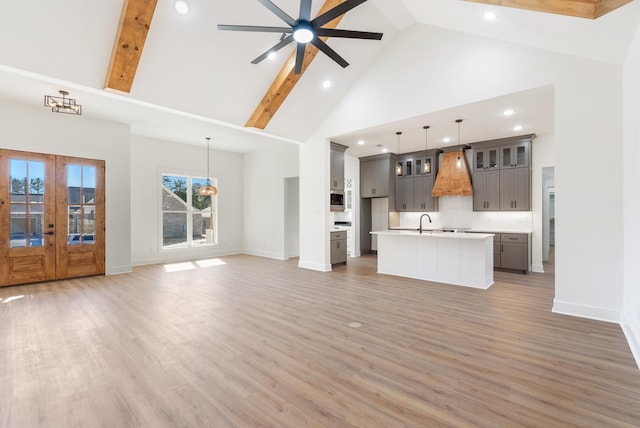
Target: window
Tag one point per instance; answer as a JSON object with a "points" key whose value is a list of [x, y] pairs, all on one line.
{"points": [[188, 219]]}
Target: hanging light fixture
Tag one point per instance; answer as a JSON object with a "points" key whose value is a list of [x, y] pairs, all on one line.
{"points": [[426, 168], [62, 104], [399, 164], [459, 160], [208, 189]]}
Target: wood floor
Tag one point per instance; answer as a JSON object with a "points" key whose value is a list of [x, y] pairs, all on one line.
{"points": [[255, 342]]}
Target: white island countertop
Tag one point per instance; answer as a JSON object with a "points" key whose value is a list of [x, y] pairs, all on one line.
{"points": [[447, 257]]}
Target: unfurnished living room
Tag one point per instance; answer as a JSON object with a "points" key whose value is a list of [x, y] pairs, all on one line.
{"points": [[337, 213]]}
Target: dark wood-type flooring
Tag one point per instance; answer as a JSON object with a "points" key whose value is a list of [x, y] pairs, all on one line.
{"points": [[253, 342]]}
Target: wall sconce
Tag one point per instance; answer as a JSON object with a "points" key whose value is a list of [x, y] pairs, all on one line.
{"points": [[62, 104]]}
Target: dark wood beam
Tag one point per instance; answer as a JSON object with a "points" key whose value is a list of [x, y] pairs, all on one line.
{"points": [[591, 9], [286, 79], [133, 28]]}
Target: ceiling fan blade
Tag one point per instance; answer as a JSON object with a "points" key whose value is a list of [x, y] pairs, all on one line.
{"points": [[284, 42], [329, 52], [257, 28], [333, 32], [299, 57], [305, 10], [332, 14], [279, 12]]}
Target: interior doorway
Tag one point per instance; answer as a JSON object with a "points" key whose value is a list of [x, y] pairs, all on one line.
{"points": [[52, 217], [292, 217]]}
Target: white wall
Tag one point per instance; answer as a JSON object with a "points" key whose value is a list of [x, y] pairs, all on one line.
{"points": [[150, 158], [264, 199], [631, 315], [40, 130], [429, 69]]}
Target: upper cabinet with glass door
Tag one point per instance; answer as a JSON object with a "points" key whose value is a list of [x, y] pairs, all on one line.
{"points": [[515, 155], [485, 158], [426, 163]]}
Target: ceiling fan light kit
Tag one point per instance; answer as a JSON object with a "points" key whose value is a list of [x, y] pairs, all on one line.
{"points": [[305, 30]]}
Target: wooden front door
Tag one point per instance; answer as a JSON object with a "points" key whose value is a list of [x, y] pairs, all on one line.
{"points": [[51, 217]]}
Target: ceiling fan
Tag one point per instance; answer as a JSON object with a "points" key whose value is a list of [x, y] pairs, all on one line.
{"points": [[306, 30]]}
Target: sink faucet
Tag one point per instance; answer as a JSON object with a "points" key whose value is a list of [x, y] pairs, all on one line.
{"points": [[421, 217]]}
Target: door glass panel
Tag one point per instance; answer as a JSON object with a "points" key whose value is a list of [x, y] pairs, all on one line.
{"points": [[493, 158], [27, 203], [427, 166], [75, 224], [74, 183], [479, 160], [88, 224], [506, 156], [521, 155], [18, 226], [88, 184], [81, 187], [408, 170]]}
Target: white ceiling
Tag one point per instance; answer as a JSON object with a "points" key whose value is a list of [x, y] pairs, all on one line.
{"points": [[194, 80]]}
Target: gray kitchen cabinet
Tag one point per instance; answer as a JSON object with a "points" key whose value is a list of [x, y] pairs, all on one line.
{"points": [[336, 172], [486, 190], [422, 199], [515, 189], [404, 193], [497, 250], [376, 175], [404, 166], [338, 241], [515, 155], [514, 251], [425, 165], [502, 174]]}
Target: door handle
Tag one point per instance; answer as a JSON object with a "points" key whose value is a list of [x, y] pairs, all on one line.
{"points": [[50, 232]]}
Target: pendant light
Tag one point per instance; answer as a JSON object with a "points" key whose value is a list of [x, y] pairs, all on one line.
{"points": [[399, 164], [208, 189], [426, 168], [459, 160]]}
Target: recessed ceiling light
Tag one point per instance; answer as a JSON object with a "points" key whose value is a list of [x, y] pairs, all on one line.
{"points": [[272, 55], [508, 112], [517, 128], [361, 142], [181, 6], [490, 16], [446, 139], [326, 84]]}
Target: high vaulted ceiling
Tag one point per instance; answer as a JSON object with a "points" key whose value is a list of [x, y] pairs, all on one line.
{"points": [[193, 80]]}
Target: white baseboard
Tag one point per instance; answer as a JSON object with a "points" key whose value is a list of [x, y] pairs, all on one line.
{"points": [[585, 311], [266, 254], [537, 269], [116, 270], [632, 333], [314, 266]]}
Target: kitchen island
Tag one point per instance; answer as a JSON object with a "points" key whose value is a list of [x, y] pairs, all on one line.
{"points": [[453, 258]]}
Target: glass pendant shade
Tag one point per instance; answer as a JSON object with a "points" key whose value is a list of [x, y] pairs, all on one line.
{"points": [[208, 189]]}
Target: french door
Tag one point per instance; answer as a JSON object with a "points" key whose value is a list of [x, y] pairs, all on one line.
{"points": [[52, 222]]}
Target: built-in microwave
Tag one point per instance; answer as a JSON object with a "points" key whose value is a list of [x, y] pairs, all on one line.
{"points": [[337, 200]]}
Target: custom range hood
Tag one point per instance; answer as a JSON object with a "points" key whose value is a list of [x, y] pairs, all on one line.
{"points": [[454, 178]]}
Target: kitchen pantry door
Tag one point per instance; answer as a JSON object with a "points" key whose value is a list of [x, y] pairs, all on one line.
{"points": [[51, 217]]}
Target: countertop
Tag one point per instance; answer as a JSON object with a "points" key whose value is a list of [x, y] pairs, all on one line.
{"points": [[483, 230], [433, 234]]}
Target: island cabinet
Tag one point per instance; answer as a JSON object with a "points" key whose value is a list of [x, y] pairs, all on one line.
{"points": [[376, 175], [502, 174]]}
